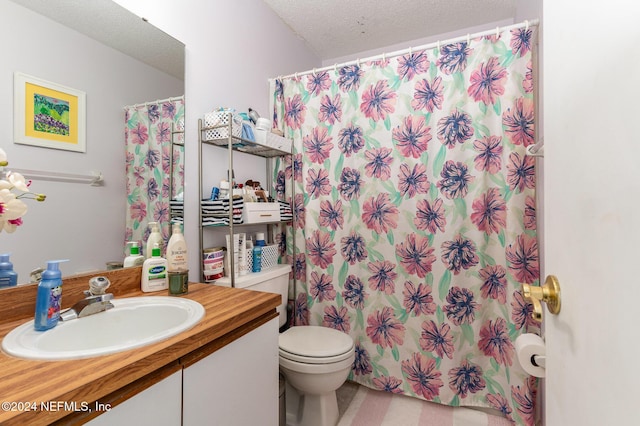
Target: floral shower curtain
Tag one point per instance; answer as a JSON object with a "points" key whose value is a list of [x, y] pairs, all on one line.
{"points": [[415, 216], [148, 135]]}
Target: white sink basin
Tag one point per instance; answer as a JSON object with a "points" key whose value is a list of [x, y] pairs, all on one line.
{"points": [[132, 323]]}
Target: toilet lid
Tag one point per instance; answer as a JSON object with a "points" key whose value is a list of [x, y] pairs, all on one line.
{"points": [[315, 342]]}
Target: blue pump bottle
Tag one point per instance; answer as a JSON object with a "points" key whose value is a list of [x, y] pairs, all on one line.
{"points": [[8, 277], [49, 297]]}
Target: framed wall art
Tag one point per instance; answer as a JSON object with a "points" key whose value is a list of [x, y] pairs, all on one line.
{"points": [[48, 114]]}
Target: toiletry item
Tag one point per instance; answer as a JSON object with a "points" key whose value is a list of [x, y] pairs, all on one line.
{"points": [[154, 272], [49, 297], [242, 243], [8, 277], [155, 238], [260, 239], [257, 259], [236, 255], [177, 250], [178, 282], [253, 115], [223, 192], [134, 258]]}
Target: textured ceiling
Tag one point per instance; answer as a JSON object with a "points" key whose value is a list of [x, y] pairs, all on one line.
{"points": [[114, 26], [333, 28]]}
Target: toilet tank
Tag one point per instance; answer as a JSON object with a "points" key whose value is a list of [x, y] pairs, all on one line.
{"points": [[272, 280]]}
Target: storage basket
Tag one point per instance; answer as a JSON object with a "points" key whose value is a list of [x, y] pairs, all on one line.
{"points": [[221, 118], [269, 257]]}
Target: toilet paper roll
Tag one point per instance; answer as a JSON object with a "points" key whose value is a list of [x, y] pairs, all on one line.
{"points": [[528, 345]]}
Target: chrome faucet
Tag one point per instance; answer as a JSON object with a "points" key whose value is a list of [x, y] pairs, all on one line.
{"points": [[96, 300]]}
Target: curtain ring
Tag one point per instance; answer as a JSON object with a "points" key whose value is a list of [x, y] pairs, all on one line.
{"points": [[410, 50], [468, 39], [358, 62], [526, 25], [497, 31], [438, 46], [335, 68], [314, 72], [384, 57], [296, 75]]}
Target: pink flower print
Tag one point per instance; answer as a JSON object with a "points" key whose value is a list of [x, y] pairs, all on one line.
{"points": [[138, 211], [422, 375], [380, 214], [320, 249], [350, 183], [163, 132], [354, 294], [301, 310], [455, 128], [430, 216], [461, 307], [494, 283], [501, 404], [413, 182], [521, 311], [428, 95], [350, 139], [388, 384], [317, 82], [169, 110], [362, 362], [455, 180], [527, 83], [331, 216], [490, 212], [321, 287], [139, 173], [161, 212], [330, 109], [437, 339], [523, 259], [382, 276], [318, 183], [521, 41], [519, 122], [416, 257], [139, 134], [459, 253], [418, 300], [521, 172], [378, 101], [525, 399], [336, 318], [467, 378], [412, 64], [412, 139], [384, 328], [300, 211], [487, 82], [530, 213], [294, 112], [349, 78], [489, 158], [495, 342], [317, 145], [453, 57], [353, 248], [378, 163], [300, 267]]}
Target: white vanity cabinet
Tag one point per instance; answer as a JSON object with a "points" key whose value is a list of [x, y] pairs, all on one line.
{"points": [[236, 385], [159, 404]]}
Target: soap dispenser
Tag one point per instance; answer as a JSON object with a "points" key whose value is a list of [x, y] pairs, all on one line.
{"points": [[8, 277], [155, 238], [49, 297], [134, 258]]}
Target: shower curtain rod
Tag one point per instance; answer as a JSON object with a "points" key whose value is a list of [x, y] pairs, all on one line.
{"points": [[467, 38], [177, 98]]}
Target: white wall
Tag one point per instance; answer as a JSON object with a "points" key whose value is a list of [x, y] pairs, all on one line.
{"points": [[82, 223], [232, 49]]}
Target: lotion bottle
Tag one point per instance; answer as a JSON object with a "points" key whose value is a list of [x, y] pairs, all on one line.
{"points": [[154, 238], [134, 258], [177, 250], [154, 272], [49, 297], [8, 277]]}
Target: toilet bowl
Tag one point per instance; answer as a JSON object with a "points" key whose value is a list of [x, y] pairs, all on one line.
{"points": [[314, 360]]}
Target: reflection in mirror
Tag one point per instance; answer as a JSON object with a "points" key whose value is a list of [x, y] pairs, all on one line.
{"points": [[94, 47]]}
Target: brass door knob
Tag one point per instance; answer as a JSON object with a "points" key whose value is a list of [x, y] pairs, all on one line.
{"points": [[549, 293]]}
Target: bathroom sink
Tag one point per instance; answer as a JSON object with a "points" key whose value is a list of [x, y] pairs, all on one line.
{"points": [[132, 323]]}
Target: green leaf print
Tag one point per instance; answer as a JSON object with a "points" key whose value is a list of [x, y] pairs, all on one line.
{"points": [[433, 69], [494, 386], [134, 196], [330, 269], [482, 130], [458, 82], [395, 353], [483, 108], [433, 191], [305, 97], [372, 123], [467, 333], [344, 270], [439, 314], [443, 286], [461, 207], [439, 161], [353, 98], [339, 167], [501, 237], [355, 208], [375, 255], [497, 108], [387, 123], [360, 319], [455, 402], [380, 350], [508, 58], [390, 237]]}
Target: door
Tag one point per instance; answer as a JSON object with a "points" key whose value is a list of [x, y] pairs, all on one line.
{"points": [[591, 75]]}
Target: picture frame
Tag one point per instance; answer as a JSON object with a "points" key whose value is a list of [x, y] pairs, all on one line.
{"points": [[48, 115]]}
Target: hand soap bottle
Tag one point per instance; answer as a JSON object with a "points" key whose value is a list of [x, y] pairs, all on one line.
{"points": [[8, 277], [177, 250], [154, 238], [49, 297], [154, 272], [134, 258]]}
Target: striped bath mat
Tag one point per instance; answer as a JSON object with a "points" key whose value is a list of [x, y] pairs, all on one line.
{"points": [[376, 408]]}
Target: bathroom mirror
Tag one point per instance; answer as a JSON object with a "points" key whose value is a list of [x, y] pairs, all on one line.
{"points": [[117, 59]]}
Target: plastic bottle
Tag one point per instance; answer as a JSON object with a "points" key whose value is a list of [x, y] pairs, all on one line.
{"points": [[154, 272], [49, 297], [177, 250], [8, 277], [155, 238], [134, 258], [257, 259]]}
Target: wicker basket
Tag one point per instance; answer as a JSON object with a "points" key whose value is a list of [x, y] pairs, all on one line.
{"points": [[221, 118]]}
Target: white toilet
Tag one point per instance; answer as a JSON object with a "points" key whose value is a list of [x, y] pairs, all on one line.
{"points": [[314, 360]]}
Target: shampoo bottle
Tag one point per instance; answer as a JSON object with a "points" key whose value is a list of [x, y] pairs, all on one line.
{"points": [[8, 277], [177, 250], [49, 297], [154, 272], [134, 258], [154, 238]]}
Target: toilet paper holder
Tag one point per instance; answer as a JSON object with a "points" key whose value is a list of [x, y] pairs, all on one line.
{"points": [[549, 293]]}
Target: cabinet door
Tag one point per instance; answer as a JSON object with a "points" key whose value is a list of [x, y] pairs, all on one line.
{"points": [[236, 385], [159, 404]]}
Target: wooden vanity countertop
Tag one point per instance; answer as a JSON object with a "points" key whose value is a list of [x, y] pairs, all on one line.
{"points": [[230, 313]]}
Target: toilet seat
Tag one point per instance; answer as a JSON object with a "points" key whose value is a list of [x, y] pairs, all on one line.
{"points": [[315, 345]]}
